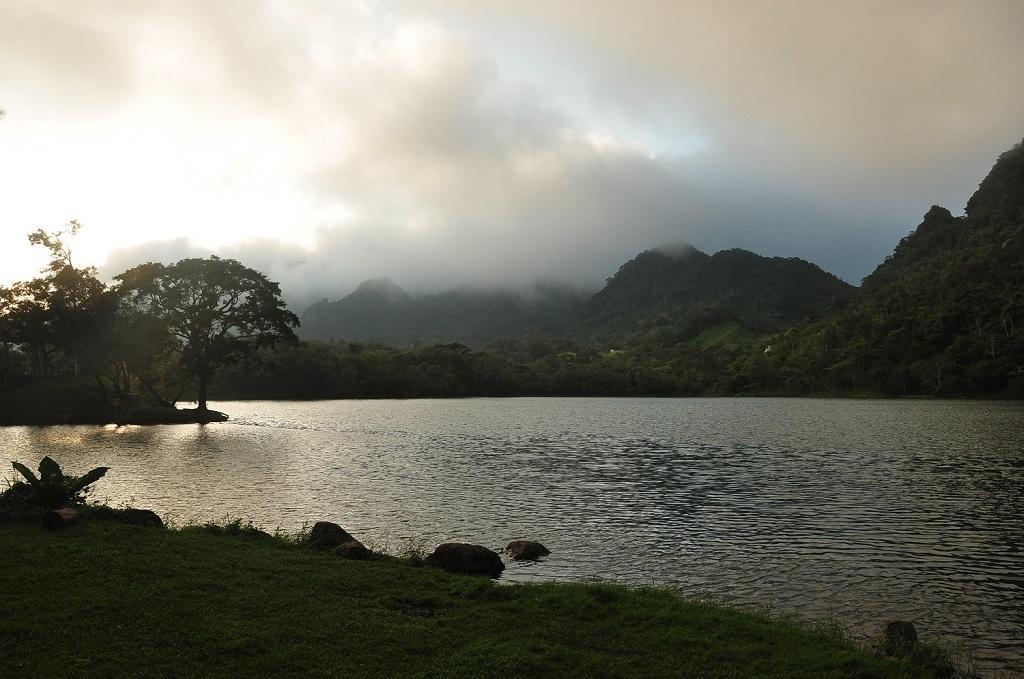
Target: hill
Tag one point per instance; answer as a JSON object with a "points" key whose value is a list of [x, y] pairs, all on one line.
{"points": [[381, 311], [681, 295], [943, 315]]}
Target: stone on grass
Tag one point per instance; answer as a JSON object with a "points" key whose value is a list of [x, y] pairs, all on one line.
{"points": [[526, 550], [327, 535], [458, 557], [900, 636], [353, 549], [142, 517]]}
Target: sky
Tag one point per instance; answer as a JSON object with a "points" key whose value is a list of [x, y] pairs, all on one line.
{"points": [[451, 142]]}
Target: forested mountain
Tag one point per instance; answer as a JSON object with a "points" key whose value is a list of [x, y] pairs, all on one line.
{"points": [[944, 314], [680, 295], [381, 311]]}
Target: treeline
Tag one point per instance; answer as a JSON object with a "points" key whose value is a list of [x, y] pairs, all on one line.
{"points": [[533, 367], [794, 366]]}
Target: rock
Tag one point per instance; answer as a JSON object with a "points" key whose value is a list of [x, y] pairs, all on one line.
{"points": [[327, 535], [458, 557], [142, 517], [60, 518], [526, 550], [353, 549], [900, 635]]}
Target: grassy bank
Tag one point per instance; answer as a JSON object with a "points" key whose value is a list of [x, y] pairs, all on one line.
{"points": [[108, 599]]}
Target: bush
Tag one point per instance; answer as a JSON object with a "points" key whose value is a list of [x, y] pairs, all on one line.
{"points": [[51, 488]]}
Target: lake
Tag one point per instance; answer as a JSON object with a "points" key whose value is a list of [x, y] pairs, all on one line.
{"points": [[862, 511]]}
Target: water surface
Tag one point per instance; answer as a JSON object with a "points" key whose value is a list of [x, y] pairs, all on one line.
{"points": [[862, 511]]}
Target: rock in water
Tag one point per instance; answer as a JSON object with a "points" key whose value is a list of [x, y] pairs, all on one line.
{"points": [[327, 535], [526, 550], [458, 557]]}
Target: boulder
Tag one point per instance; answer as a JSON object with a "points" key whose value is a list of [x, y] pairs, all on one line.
{"points": [[142, 517], [327, 535], [900, 636], [458, 557], [526, 550], [353, 549]]}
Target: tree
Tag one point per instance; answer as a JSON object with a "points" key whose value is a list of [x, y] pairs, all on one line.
{"points": [[6, 334], [60, 313], [214, 310]]}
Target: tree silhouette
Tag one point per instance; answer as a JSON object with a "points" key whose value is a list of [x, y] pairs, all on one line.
{"points": [[214, 310], [60, 313]]}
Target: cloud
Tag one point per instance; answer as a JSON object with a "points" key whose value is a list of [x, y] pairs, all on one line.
{"points": [[872, 85], [448, 142]]}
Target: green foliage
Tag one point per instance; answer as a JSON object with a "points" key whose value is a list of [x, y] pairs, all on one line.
{"points": [[535, 366], [52, 488]]}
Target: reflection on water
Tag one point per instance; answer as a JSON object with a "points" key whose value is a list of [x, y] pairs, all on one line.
{"points": [[864, 511]]}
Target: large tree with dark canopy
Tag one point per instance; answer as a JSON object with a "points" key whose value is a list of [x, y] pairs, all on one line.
{"points": [[214, 310]]}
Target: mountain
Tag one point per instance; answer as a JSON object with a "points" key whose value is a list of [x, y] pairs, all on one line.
{"points": [[381, 311], [683, 293], [944, 314]]}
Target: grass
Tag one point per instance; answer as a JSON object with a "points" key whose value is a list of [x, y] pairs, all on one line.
{"points": [[106, 599]]}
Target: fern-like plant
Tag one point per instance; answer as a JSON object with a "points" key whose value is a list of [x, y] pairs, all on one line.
{"points": [[52, 488]]}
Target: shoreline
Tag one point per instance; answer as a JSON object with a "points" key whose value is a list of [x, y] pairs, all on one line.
{"points": [[148, 418], [192, 416]]}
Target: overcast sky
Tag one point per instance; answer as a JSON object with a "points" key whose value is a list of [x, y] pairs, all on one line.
{"points": [[442, 142]]}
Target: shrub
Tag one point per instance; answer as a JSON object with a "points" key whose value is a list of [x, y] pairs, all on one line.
{"points": [[52, 488]]}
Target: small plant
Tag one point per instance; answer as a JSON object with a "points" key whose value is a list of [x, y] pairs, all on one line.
{"points": [[52, 488]]}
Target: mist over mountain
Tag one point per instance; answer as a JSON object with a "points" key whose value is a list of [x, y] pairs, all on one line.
{"points": [[681, 290], [379, 310]]}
